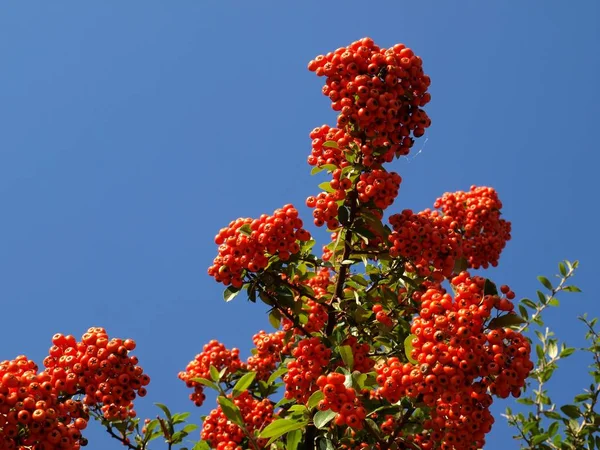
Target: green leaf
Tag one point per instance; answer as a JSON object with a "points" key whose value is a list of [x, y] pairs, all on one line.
{"points": [[553, 428], [347, 356], [180, 417], [189, 428], [201, 445], [507, 320], [562, 269], [552, 415], [545, 282], [539, 438], [206, 382], [567, 352], [280, 427], [243, 383], [489, 288], [230, 293], [293, 439], [322, 418], [408, 348], [315, 398], [165, 410], [571, 289], [330, 144], [523, 312], [571, 410], [245, 229], [214, 374], [529, 303], [553, 302], [552, 349], [279, 372], [326, 444], [326, 186], [275, 318], [231, 411]]}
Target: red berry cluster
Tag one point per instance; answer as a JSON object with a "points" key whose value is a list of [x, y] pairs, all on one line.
{"points": [[311, 358], [477, 214], [328, 146], [246, 244], [222, 434], [360, 353], [379, 93], [325, 204], [382, 316], [341, 400], [431, 242], [269, 348], [101, 368], [378, 186], [320, 281], [317, 317], [31, 414], [213, 354]]}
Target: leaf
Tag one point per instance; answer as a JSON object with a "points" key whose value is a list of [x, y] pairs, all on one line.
{"points": [[571, 289], [330, 144], [523, 312], [539, 438], [293, 439], [552, 349], [206, 382], [231, 411], [326, 444], [315, 398], [189, 428], [180, 417], [214, 374], [507, 320], [243, 383], [545, 282], [230, 293], [408, 348], [282, 369], [347, 356], [489, 288], [326, 186], [567, 352], [344, 215], [460, 265], [529, 303], [245, 229], [322, 418], [280, 427], [275, 319], [571, 410], [165, 410], [201, 445]]}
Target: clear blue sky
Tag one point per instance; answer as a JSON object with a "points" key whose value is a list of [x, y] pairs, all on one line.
{"points": [[132, 131]]}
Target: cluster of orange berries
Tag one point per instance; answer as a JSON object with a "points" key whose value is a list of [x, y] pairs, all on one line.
{"points": [[222, 434], [379, 94], [246, 244], [317, 317], [326, 208], [101, 368], [213, 354], [311, 357], [477, 214], [378, 186], [269, 348], [328, 145], [31, 413], [427, 239], [360, 352], [341, 400], [381, 315]]}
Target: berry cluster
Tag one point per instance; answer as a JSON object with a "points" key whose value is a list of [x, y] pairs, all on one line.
{"points": [[360, 353], [213, 354], [101, 368], [311, 359], [269, 348], [326, 208], [341, 400], [246, 244], [477, 214], [379, 93], [31, 414], [327, 147], [431, 242], [317, 317], [222, 434], [378, 186]]}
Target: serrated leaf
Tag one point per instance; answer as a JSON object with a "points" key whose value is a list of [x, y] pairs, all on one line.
{"points": [[322, 418], [231, 411], [408, 348], [347, 356], [230, 293], [507, 320], [293, 439], [243, 383], [315, 398]]}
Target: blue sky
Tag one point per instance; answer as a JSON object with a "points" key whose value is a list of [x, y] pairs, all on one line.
{"points": [[133, 131]]}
